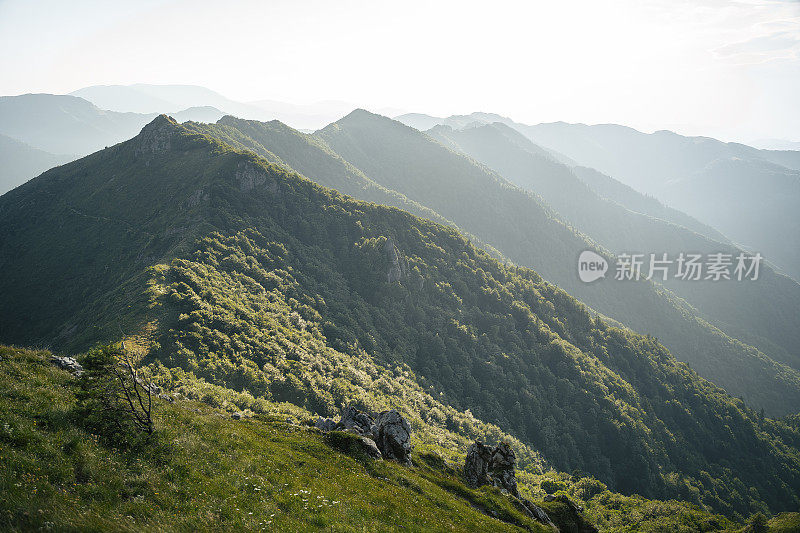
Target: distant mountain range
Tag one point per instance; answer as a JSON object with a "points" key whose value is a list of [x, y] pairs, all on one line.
{"points": [[750, 195], [20, 162], [42, 130], [745, 310], [144, 98]]}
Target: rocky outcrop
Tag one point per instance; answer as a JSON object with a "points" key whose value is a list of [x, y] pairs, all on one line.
{"points": [[156, 137], [395, 272], [250, 176], [325, 424], [357, 421], [370, 448], [494, 465], [393, 436], [390, 433], [67, 363], [490, 465]]}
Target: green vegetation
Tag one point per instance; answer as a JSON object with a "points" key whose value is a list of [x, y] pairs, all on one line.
{"points": [[765, 314], [528, 233], [204, 470], [209, 472], [242, 284]]}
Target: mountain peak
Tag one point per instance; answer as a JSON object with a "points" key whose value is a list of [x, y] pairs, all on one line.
{"points": [[156, 136]]}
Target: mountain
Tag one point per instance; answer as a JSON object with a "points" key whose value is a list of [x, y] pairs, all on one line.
{"points": [[145, 98], [680, 171], [755, 201], [747, 184], [526, 231], [199, 114], [305, 154], [61, 124], [65, 124], [616, 191], [22, 162], [235, 278], [764, 313]]}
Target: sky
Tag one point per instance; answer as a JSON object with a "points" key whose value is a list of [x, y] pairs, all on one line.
{"points": [[707, 67]]}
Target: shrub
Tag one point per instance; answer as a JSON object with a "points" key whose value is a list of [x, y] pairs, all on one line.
{"points": [[112, 400]]}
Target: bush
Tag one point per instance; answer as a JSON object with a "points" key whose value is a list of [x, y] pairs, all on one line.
{"points": [[112, 400], [550, 486]]}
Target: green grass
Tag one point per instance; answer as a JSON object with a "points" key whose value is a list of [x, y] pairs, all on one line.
{"points": [[207, 471]]}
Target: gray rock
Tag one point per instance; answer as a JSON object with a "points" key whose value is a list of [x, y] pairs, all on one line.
{"points": [[490, 465], [357, 421], [67, 363], [156, 137], [237, 416], [325, 424], [494, 465], [535, 512], [166, 397], [370, 448], [476, 465], [395, 272], [393, 437]]}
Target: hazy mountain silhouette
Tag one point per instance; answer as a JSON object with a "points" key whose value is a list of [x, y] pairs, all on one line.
{"points": [[667, 166], [21, 162], [68, 127], [145, 98]]}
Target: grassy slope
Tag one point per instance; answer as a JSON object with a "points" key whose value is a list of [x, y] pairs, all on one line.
{"points": [[207, 471]]}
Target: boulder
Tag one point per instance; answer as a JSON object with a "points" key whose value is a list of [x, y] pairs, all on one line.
{"points": [[370, 448], [356, 421], [67, 363], [476, 465], [494, 465], [490, 465], [325, 424], [393, 436]]}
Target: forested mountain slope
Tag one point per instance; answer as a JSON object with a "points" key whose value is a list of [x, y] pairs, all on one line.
{"points": [[219, 265], [21, 162], [764, 313], [526, 231]]}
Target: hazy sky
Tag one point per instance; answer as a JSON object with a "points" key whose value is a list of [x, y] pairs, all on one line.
{"points": [[727, 69]]}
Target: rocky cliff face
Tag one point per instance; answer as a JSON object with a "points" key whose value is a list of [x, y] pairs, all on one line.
{"points": [[396, 267], [156, 137]]}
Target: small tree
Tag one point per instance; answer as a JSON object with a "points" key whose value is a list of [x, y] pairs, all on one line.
{"points": [[758, 524], [113, 400]]}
